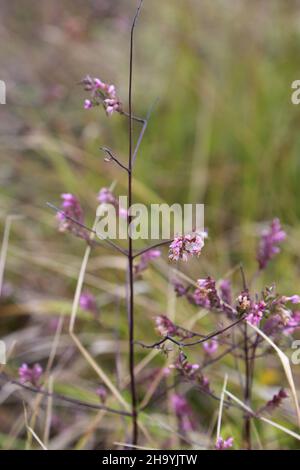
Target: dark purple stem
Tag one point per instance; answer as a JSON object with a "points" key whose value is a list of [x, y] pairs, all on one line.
{"points": [[130, 303]]}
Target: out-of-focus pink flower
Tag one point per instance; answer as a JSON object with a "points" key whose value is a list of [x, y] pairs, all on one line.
{"points": [[206, 293], [179, 288], [210, 347], [88, 104], [164, 326], [166, 371], [225, 291], [186, 368], [101, 93], [276, 400], [190, 371], [106, 196], [222, 444], [183, 412], [294, 299], [244, 302], [292, 324], [272, 325], [88, 302], [268, 246], [188, 245], [71, 209], [102, 393], [256, 313], [31, 375], [123, 213], [145, 259]]}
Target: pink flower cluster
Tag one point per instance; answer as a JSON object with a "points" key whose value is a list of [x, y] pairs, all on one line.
{"points": [[292, 324], [31, 375], [71, 209], [207, 296], [106, 196], [88, 302], [268, 246], [190, 371], [186, 368], [145, 259], [276, 400], [222, 444], [102, 393], [165, 327], [101, 92], [210, 347], [225, 291], [256, 313], [186, 246], [243, 302], [183, 412]]}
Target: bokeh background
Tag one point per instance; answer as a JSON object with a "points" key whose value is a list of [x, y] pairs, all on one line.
{"points": [[223, 132]]}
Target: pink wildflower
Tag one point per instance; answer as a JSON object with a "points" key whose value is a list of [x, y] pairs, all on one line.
{"points": [[164, 326], [87, 302], [145, 259], [30, 374], [106, 196], [210, 347], [183, 412], [292, 324], [276, 400], [256, 313], [101, 93], [222, 444], [188, 245], [179, 288], [206, 294], [102, 393], [88, 104], [294, 299], [186, 368], [71, 209], [225, 290], [268, 246]]}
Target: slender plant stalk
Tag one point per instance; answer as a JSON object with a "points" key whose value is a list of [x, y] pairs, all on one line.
{"points": [[247, 394], [130, 302]]}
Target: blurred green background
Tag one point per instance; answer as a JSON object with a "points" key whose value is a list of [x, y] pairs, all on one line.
{"points": [[223, 132]]}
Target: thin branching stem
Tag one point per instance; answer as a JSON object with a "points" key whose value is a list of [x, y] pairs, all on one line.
{"points": [[148, 248], [111, 156], [73, 401], [130, 302], [106, 240], [194, 343]]}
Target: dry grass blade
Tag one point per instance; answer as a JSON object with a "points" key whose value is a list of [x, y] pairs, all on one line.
{"points": [[48, 411], [266, 420], [286, 366], [77, 341], [31, 431], [221, 406], [4, 245]]}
